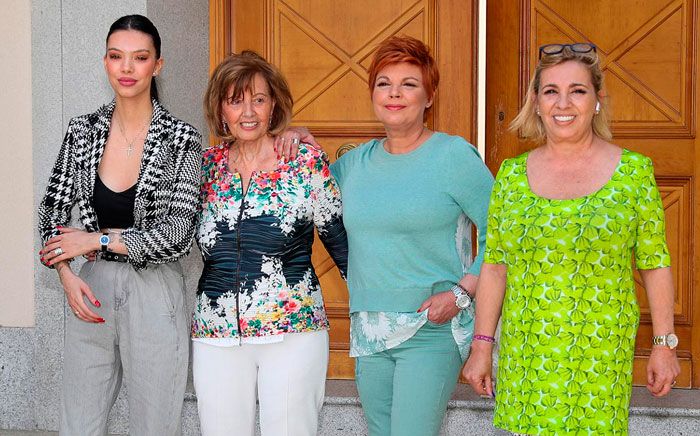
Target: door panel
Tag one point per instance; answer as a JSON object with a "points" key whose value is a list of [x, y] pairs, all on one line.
{"points": [[324, 49], [647, 51]]}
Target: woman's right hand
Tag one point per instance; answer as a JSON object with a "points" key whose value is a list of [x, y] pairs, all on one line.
{"points": [[478, 371], [76, 290], [287, 142]]}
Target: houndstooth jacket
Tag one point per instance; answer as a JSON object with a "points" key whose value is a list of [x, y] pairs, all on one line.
{"points": [[166, 193]]}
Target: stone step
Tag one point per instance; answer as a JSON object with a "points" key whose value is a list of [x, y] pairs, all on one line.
{"points": [[677, 414], [467, 414]]}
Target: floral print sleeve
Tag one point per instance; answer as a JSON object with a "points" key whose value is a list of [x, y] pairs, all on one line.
{"points": [[327, 210], [650, 248]]}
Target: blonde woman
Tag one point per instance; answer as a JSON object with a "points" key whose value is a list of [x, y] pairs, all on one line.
{"points": [[565, 222]]}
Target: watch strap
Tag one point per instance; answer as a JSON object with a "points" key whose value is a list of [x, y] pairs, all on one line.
{"points": [[659, 340]]}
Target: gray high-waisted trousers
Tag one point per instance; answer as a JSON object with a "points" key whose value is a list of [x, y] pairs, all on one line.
{"points": [[145, 337]]}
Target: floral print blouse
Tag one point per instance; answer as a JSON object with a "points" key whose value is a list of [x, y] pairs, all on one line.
{"points": [[258, 280]]}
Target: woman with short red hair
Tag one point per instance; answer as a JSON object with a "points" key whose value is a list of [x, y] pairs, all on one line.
{"points": [[407, 203]]}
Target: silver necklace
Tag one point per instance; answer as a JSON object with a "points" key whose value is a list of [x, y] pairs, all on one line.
{"points": [[130, 144]]}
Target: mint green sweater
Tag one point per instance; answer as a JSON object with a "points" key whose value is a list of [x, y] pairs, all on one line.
{"points": [[401, 213]]}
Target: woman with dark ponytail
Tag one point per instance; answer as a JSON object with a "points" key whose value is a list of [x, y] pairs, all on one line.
{"points": [[144, 25], [133, 171]]}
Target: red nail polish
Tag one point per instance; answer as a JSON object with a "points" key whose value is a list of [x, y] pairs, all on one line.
{"points": [[101, 320], [97, 303]]}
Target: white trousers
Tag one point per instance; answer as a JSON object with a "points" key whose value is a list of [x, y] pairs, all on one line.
{"points": [[290, 377]]}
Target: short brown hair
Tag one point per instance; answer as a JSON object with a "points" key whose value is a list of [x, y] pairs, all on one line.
{"points": [[396, 49], [238, 71], [527, 120]]}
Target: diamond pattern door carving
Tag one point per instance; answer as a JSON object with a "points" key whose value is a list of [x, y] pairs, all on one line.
{"points": [[648, 52], [324, 49]]}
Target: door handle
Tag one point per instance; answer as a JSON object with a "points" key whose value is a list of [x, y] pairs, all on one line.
{"points": [[345, 148]]}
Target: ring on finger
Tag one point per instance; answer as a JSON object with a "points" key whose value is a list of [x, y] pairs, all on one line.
{"points": [[58, 251], [673, 383], [295, 141]]}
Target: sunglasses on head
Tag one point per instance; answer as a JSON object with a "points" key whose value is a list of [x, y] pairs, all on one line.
{"points": [[554, 49]]}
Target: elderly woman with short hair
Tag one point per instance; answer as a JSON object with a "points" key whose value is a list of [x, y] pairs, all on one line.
{"points": [[259, 323], [566, 221]]}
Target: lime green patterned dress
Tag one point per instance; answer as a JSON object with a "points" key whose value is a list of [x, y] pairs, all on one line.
{"points": [[570, 313]]}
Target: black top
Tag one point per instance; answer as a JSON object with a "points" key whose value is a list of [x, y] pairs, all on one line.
{"points": [[114, 209]]}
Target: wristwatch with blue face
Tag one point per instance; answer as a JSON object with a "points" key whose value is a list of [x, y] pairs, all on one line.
{"points": [[104, 242], [463, 300]]}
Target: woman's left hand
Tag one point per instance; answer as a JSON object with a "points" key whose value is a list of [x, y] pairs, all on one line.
{"points": [[287, 142], [662, 370], [70, 243], [442, 307]]}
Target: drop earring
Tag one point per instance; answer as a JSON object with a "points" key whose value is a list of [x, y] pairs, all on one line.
{"points": [[537, 111], [224, 126], [597, 107]]}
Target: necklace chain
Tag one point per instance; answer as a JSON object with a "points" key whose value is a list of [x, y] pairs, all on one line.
{"points": [[130, 144]]}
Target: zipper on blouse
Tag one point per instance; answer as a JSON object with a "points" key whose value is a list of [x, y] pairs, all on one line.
{"points": [[238, 266]]}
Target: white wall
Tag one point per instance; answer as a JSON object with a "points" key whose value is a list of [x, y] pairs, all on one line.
{"points": [[16, 186]]}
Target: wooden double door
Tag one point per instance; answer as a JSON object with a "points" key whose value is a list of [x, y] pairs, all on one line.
{"points": [[324, 48], [648, 52]]}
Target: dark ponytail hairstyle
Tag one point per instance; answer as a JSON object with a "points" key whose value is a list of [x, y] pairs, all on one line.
{"points": [[142, 24]]}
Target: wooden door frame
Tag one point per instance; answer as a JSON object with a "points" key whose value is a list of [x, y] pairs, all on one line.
{"points": [[219, 23]]}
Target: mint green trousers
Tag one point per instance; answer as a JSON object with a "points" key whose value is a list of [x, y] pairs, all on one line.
{"points": [[404, 391]]}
